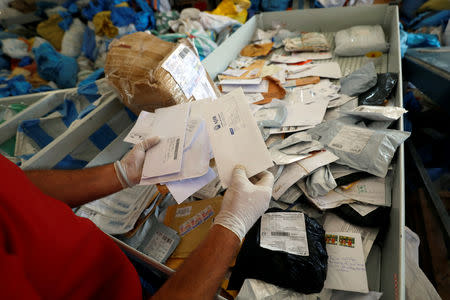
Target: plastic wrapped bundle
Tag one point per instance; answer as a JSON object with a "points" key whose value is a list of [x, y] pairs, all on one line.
{"points": [[358, 40], [134, 66]]}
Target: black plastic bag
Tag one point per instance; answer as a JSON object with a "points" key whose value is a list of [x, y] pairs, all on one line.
{"points": [[350, 178], [381, 91], [377, 218], [303, 274]]}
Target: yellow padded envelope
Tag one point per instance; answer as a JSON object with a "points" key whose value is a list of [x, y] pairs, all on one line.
{"points": [[192, 221]]}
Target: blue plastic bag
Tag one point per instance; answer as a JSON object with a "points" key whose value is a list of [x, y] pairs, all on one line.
{"points": [[146, 8], [274, 5], [434, 18], [67, 20], [71, 6], [4, 62], [422, 40], [56, 67], [122, 16], [14, 86], [416, 40], [25, 61], [142, 20], [89, 46], [409, 7]]}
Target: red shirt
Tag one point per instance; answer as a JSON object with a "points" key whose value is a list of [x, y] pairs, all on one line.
{"points": [[48, 252]]}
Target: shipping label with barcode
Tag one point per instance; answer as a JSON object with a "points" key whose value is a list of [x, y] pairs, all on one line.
{"points": [[159, 246], [284, 231], [186, 68], [351, 139], [183, 211]]}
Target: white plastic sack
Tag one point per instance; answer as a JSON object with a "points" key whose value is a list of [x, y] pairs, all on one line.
{"points": [[359, 40], [4, 3], [73, 39], [55, 10], [164, 6], [332, 3], [38, 41], [186, 25], [190, 13], [216, 22], [9, 12], [15, 48]]}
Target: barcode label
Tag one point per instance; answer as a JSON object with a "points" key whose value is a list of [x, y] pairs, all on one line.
{"points": [[183, 211], [164, 238], [351, 139], [177, 145], [184, 52], [284, 231], [279, 233]]}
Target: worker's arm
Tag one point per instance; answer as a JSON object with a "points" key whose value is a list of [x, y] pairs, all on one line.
{"points": [[204, 270], [202, 273], [77, 187]]}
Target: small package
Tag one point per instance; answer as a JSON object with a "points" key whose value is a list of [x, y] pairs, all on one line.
{"points": [[283, 248], [361, 148], [358, 40], [307, 42], [150, 73], [378, 94], [377, 113], [359, 81]]}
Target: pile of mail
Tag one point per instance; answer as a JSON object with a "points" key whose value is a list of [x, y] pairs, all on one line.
{"points": [[283, 111], [332, 157]]}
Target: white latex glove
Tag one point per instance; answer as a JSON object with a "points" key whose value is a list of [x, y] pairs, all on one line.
{"points": [[244, 202], [129, 168]]}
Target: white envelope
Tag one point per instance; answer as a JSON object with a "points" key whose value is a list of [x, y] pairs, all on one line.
{"points": [[306, 114], [181, 190], [141, 129], [241, 81], [196, 156], [327, 70], [166, 157], [263, 87], [298, 57], [371, 190], [346, 265], [368, 234], [235, 137]]}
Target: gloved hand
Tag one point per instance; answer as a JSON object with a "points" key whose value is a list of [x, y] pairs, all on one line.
{"points": [[244, 202], [129, 168]]}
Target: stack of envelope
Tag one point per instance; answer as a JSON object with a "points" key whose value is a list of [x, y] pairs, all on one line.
{"points": [[191, 135], [118, 213]]}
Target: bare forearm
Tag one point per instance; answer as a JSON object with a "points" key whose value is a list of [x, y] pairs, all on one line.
{"points": [[202, 273], [76, 187]]}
